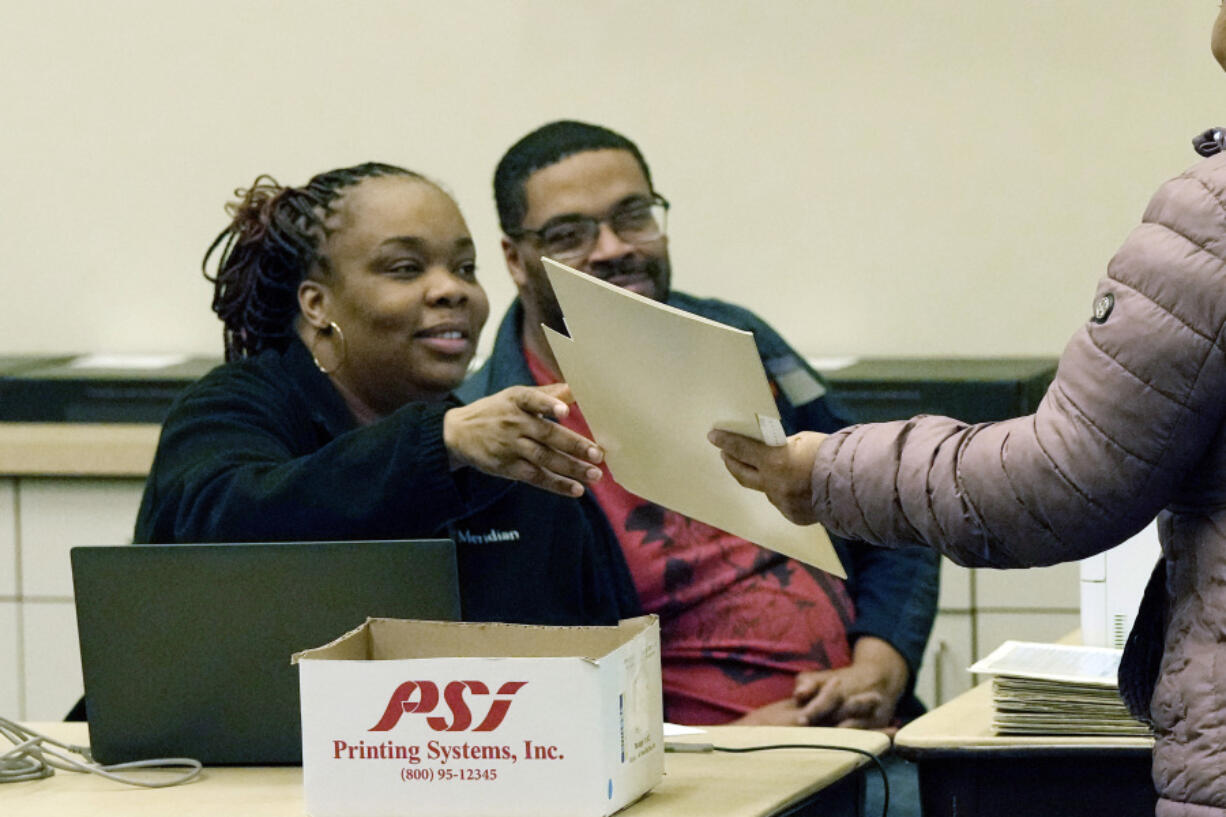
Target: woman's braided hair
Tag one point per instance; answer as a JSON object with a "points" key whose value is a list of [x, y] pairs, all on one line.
{"points": [[271, 244]]}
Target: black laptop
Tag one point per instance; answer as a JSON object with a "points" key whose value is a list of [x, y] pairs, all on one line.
{"points": [[185, 649]]}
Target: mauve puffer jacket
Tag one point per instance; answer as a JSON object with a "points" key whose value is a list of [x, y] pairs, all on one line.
{"points": [[1132, 425]]}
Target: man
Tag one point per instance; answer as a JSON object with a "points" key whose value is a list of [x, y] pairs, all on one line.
{"points": [[747, 634]]}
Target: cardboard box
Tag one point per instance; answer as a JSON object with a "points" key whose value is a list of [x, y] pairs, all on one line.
{"points": [[433, 718]]}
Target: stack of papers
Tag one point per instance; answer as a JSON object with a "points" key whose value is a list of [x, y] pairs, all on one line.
{"points": [[1057, 689]]}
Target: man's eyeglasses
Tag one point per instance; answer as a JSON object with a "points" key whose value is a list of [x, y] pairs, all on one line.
{"points": [[572, 237]]}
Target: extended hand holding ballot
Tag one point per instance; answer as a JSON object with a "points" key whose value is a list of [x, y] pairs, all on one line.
{"points": [[781, 472], [508, 435]]}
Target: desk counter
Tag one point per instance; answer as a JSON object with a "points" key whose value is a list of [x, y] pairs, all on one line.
{"points": [[71, 449], [965, 723], [965, 769], [758, 784]]}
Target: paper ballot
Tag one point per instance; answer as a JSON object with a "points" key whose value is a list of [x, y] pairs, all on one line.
{"points": [[1057, 689], [651, 381]]}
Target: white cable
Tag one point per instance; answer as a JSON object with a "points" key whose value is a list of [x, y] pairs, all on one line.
{"points": [[35, 756]]}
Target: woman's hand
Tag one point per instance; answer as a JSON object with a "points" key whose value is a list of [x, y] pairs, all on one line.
{"points": [[509, 434], [782, 472], [786, 712]]}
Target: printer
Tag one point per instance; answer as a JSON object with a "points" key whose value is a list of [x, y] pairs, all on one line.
{"points": [[1112, 583], [99, 388]]}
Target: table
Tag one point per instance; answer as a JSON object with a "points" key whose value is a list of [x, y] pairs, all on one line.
{"points": [[790, 782], [965, 770]]}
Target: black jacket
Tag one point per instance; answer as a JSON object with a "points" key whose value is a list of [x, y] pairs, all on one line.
{"points": [[265, 450]]}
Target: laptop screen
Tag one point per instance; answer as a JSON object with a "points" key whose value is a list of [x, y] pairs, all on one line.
{"points": [[185, 649]]}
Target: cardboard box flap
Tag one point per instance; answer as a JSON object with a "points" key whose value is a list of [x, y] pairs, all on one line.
{"points": [[383, 639], [352, 646]]}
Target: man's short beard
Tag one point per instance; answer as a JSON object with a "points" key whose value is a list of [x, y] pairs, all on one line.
{"points": [[655, 267]]}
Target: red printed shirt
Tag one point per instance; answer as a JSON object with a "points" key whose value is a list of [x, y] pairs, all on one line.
{"points": [[737, 621]]}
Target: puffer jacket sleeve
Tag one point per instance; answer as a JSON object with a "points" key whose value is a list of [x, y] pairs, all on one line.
{"points": [[1138, 397]]}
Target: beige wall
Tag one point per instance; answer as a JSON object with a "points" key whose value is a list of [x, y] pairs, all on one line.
{"points": [[935, 177]]}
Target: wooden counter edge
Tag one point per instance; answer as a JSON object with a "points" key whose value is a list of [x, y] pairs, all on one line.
{"points": [[77, 449], [966, 722]]}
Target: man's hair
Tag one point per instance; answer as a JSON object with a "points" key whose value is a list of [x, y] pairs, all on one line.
{"points": [[545, 146]]}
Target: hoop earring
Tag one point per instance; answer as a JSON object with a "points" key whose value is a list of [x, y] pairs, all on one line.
{"points": [[331, 327]]}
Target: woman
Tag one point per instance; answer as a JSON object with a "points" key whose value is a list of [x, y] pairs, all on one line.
{"points": [[351, 311], [1134, 424]]}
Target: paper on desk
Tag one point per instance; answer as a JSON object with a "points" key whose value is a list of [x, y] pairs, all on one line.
{"points": [[651, 381], [1095, 666], [1057, 689], [672, 730]]}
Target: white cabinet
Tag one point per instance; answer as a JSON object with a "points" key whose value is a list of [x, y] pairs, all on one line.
{"points": [[41, 520], [10, 666], [943, 674], [52, 677], [60, 514], [995, 629], [1037, 588], [979, 608], [8, 540], [957, 587]]}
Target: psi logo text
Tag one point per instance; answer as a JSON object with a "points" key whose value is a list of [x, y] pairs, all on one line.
{"points": [[422, 697]]}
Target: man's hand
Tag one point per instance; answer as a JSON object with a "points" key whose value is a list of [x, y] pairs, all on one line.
{"points": [[785, 712], [862, 695], [509, 434], [783, 473]]}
